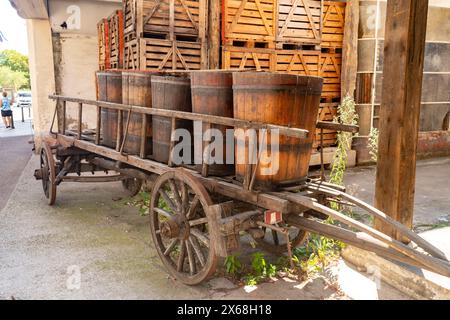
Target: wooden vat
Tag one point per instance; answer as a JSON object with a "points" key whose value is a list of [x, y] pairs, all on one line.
{"points": [[281, 99], [212, 94], [169, 93], [109, 90], [137, 91]]}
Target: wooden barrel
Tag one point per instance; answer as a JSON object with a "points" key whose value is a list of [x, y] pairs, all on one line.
{"points": [[280, 99], [137, 91], [109, 90], [169, 93], [212, 94]]}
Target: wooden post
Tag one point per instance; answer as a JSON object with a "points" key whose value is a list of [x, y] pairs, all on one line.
{"points": [[350, 49], [400, 109], [80, 120], [215, 7]]}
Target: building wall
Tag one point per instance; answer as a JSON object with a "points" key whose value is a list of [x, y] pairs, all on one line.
{"points": [[76, 52], [436, 82]]}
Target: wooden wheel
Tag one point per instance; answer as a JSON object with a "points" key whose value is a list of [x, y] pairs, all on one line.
{"points": [[132, 186], [180, 222], [48, 171], [275, 242]]}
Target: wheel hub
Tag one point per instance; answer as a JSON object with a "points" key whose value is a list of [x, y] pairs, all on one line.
{"points": [[175, 227]]}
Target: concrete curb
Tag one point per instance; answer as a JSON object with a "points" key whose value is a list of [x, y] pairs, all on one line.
{"points": [[410, 283]]}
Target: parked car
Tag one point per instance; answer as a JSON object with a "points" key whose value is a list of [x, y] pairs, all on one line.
{"points": [[24, 99]]}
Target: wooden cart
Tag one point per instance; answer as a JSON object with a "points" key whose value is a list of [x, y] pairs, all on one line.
{"points": [[203, 216]]}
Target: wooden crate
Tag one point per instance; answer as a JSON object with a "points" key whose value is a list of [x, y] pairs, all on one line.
{"points": [[327, 112], [103, 45], [244, 58], [131, 55], [166, 19], [249, 20], [158, 54], [333, 24], [330, 69], [303, 62], [299, 21], [116, 39]]}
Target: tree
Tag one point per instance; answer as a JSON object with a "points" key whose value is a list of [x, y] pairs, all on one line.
{"points": [[17, 63], [13, 79]]}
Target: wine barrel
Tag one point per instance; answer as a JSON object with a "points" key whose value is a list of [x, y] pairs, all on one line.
{"points": [[280, 99], [169, 93], [109, 90], [212, 94], [137, 91]]}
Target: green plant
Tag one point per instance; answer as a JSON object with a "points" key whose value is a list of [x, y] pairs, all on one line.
{"points": [[259, 264], [373, 144], [251, 280], [142, 202], [346, 115], [232, 265]]}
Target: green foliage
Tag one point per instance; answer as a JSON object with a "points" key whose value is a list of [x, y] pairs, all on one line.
{"points": [[373, 144], [317, 253], [12, 79], [259, 263], [14, 60], [232, 265], [260, 266], [14, 70], [142, 202], [346, 115], [251, 280]]}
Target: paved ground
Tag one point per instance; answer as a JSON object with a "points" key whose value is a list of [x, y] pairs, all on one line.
{"points": [[88, 236], [15, 154], [432, 201]]}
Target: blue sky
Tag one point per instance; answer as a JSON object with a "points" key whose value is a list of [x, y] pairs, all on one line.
{"points": [[13, 28]]}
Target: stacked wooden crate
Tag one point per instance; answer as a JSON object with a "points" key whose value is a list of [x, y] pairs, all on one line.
{"points": [[333, 19], [110, 41], [165, 34], [116, 39], [103, 45], [271, 35]]}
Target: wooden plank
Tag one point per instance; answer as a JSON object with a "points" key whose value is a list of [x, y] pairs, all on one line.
{"points": [[350, 49], [214, 26], [400, 109], [333, 24]]}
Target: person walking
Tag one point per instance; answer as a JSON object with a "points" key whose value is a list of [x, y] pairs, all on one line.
{"points": [[7, 112]]}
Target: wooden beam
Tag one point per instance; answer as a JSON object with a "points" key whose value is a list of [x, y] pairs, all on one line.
{"points": [[350, 49], [400, 109], [214, 25]]}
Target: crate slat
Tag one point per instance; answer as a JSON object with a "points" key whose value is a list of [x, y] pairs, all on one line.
{"points": [[249, 20], [153, 18], [244, 58], [299, 21], [116, 39], [327, 112], [302, 62], [330, 69], [103, 44], [333, 24]]}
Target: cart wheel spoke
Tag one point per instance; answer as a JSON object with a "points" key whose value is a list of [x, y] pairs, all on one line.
{"points": [[171, 247], [48, 170], [176, 194], [202, 238], [190, 258], [179, 219], [181, 257], [197, 250], [192, 208], [167, 200], [163, 212]]}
